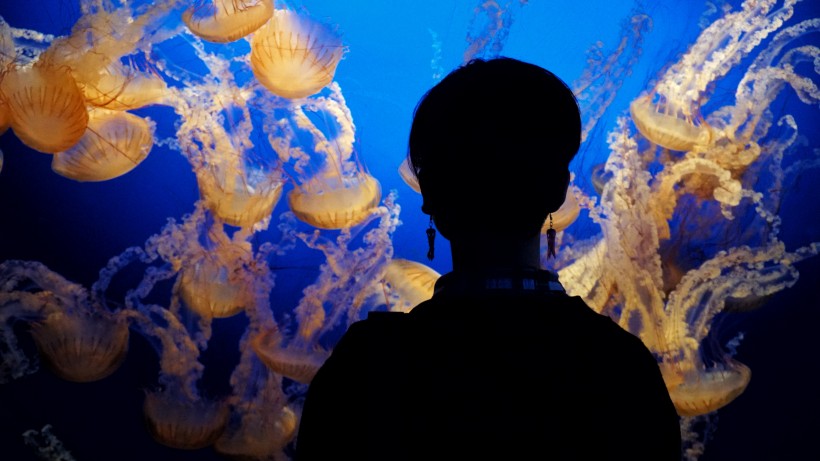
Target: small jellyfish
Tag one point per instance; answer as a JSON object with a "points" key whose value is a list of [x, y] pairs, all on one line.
{"points": [[406, 173], [81, 347], [47, 108], [114, 144], [298, 364], [215, 283], [335, 203], [599, 177], [240, 199], [710, 390], [223, 21], [667, 125], [412, 281], [176, 420], [120, 87], [294, 56], [565, 215]]}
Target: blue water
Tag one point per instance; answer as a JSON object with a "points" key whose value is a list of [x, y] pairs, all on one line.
{"points": [[75, 227]]}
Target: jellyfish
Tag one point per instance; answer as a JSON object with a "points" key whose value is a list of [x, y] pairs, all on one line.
{"points": [[669, 114], [297, 364], [114, 144], [179, 422], [47, 108], [223, 21], [239, 198], [121, 87], [407, 175], [413, 283], [710, 390], [262, 422], [5, 116], [81, 348], [295, 56], [489, 28], [216, 282], [79, 339], [334, 191]]}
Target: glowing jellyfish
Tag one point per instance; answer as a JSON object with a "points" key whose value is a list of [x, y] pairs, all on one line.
{"points": [[81, 348], [262, 422], [216, 282], [239, 199], [335, 203], [120, 87], [47, 108], [294, 363], [668, 115], [412, 281], [566, 214], [333, 190], [294, 56], [406, 173], [710, 390], [114, 144], [177, 421], [223, 21], [668, 125]]}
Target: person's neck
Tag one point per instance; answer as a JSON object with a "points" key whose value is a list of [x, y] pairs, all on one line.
{"points": [[494, 253]]}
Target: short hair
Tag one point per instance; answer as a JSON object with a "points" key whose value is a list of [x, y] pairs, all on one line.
{"points": [[495, 132]]}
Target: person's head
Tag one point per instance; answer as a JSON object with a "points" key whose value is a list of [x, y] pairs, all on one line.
{"points": [[491, 144]]}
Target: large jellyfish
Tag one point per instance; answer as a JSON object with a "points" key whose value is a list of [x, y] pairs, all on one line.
{"points": [[114, 144], [224, 21], [333, 190], [295, 56], [669, 114], [47, 108], [411, 281]]}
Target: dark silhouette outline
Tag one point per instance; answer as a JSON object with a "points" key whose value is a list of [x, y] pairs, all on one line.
{"points": [[500, 363]]}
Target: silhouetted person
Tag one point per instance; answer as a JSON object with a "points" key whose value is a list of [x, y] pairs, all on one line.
{"points": [[501, 363]]}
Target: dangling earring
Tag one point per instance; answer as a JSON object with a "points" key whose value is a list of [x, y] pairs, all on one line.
{"points": [[431, 240], [551, 240]]}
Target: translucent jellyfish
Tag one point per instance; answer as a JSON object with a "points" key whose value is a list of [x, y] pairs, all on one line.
{"points": [[489, 28], [710, 390], [114, 144], [240, 198], [295, 56], [47, 108], [408, 177], [216, 282], [333, 190], [668, 115], [81, 347], [411, 281], [179, 422], [297, 364], [668, 125], [262, 421], [566, 214], [335, 203], [121, 87], [223, 21]]}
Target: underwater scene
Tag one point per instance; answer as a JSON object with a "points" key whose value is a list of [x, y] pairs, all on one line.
{"points": [[198, 197]]}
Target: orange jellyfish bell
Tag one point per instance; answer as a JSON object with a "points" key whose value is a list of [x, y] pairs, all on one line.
{"points": [[412, 281], [81, 347], [294, 56], [215, 284], [223, 21], [114, 144], [231, 196], [48, 110], [5, 116], [337, 202], [294, 363], [565, 215], [177, 421], [406, 173], [119, 87], [709, 390], [666, 126]]}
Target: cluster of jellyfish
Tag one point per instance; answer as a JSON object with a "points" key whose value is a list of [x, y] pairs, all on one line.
{"points": [[675, 179]]}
